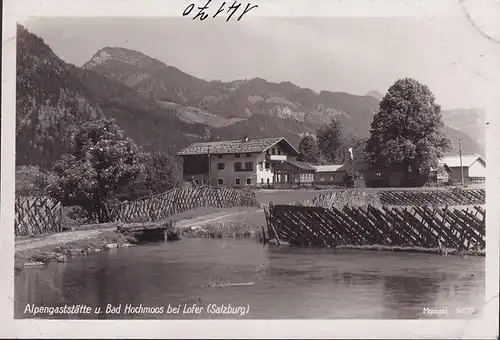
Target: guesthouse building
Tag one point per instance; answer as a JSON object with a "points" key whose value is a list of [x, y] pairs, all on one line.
{"points": [[238, 163]]}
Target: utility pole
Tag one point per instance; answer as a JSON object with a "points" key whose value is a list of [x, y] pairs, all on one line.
{"points": [[461, 167], [209, 168]]}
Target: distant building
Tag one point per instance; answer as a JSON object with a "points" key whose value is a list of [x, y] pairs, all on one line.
{"points": [[335, 173], [474, 168], [294, 173], [439, 175], [245, 162]]}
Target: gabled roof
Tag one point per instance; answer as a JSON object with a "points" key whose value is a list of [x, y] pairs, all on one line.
{"points": [[341, 167], [300, 165], [467, 160], [328, 168], [237, 146], [441, 166]]}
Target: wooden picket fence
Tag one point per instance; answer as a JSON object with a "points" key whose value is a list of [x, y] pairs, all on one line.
{"points": [[158, 207], [418, 226], [37, 215]]}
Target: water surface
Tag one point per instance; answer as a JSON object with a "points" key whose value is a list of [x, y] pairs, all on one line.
{"points": [[286, 282]]}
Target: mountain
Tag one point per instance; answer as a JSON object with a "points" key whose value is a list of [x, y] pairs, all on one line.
{"points": [[226, 107], [255, 107], [163, 108], [53, 98], [375, 94], [470, 121]]}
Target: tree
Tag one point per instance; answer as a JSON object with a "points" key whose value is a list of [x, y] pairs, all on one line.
{"points": [[163, 173], [104, 160], [358, 146], [407, 132], [308, 150], [329, 139]]}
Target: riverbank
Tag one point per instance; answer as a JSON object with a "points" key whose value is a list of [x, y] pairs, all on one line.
{"points": [[442, 251], [240, 222], [77, 245], [86, 239]]}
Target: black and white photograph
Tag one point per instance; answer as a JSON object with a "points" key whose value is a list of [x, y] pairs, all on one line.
{"points": [[217, 163]]}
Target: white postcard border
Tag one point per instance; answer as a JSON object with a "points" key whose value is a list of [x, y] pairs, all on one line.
{"points": [[483, 14]]}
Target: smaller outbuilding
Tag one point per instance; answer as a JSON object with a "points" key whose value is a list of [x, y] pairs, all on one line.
{"points": [[293, 173], [473, 166]]}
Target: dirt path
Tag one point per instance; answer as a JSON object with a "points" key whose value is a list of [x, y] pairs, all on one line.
{"points": [[26, 243]]}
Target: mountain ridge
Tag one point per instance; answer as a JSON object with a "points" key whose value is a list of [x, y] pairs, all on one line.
{"points": [[162, 108], [236, 102]]}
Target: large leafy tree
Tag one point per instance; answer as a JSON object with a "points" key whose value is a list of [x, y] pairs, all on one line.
{"points": [[308, 150], [329, 137], [104, 160], [358, 146], [163, 172], [407, 132]]}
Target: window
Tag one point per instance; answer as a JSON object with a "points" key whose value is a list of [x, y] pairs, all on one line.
{"points": [[279, 152], [268, 181], [249, 181], [237, 166], [237, 181], [219, 156], [267, 165], [248, 166], [262, 180], [220, 181], [322, 178], [236, 155], [260, 166], [249, 154], [379, 174], [273, 151], [221, 166]]}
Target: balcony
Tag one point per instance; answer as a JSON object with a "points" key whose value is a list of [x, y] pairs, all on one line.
{"points": [[276, 157], [243, 170]]}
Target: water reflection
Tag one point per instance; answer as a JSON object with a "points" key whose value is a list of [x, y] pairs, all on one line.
{"points": [[287, 282]]}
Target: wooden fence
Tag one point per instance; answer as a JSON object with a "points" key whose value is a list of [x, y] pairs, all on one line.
{"points": [[406, 198], [434, 197], [37, 215], [424, 227], [476, 180], [158, 207]]}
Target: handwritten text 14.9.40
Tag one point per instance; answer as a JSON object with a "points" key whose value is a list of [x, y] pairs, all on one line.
{"points": [[202, 14]]}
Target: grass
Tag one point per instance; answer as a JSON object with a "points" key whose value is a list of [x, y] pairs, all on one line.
{"points": [[352, 198], [445, 251], [225, 229]]}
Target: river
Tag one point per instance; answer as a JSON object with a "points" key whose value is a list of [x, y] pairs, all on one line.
{"points": [[283, 282]]}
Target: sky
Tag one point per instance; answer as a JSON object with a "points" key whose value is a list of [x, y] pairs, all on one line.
{"points": [[346, 54]]}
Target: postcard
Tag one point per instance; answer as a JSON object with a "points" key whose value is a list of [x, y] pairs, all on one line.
{"points": [[237, 169]]}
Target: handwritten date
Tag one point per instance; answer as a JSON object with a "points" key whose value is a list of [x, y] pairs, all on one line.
{"points": [[231, 10]]}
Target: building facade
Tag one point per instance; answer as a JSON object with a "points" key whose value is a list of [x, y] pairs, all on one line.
{"points": [[473, 168], [291, 173], [237, 163]]}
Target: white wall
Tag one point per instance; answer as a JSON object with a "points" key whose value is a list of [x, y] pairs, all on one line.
{"points": [[228, 174], [263, 174], [259, 175], [477, 169]]}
